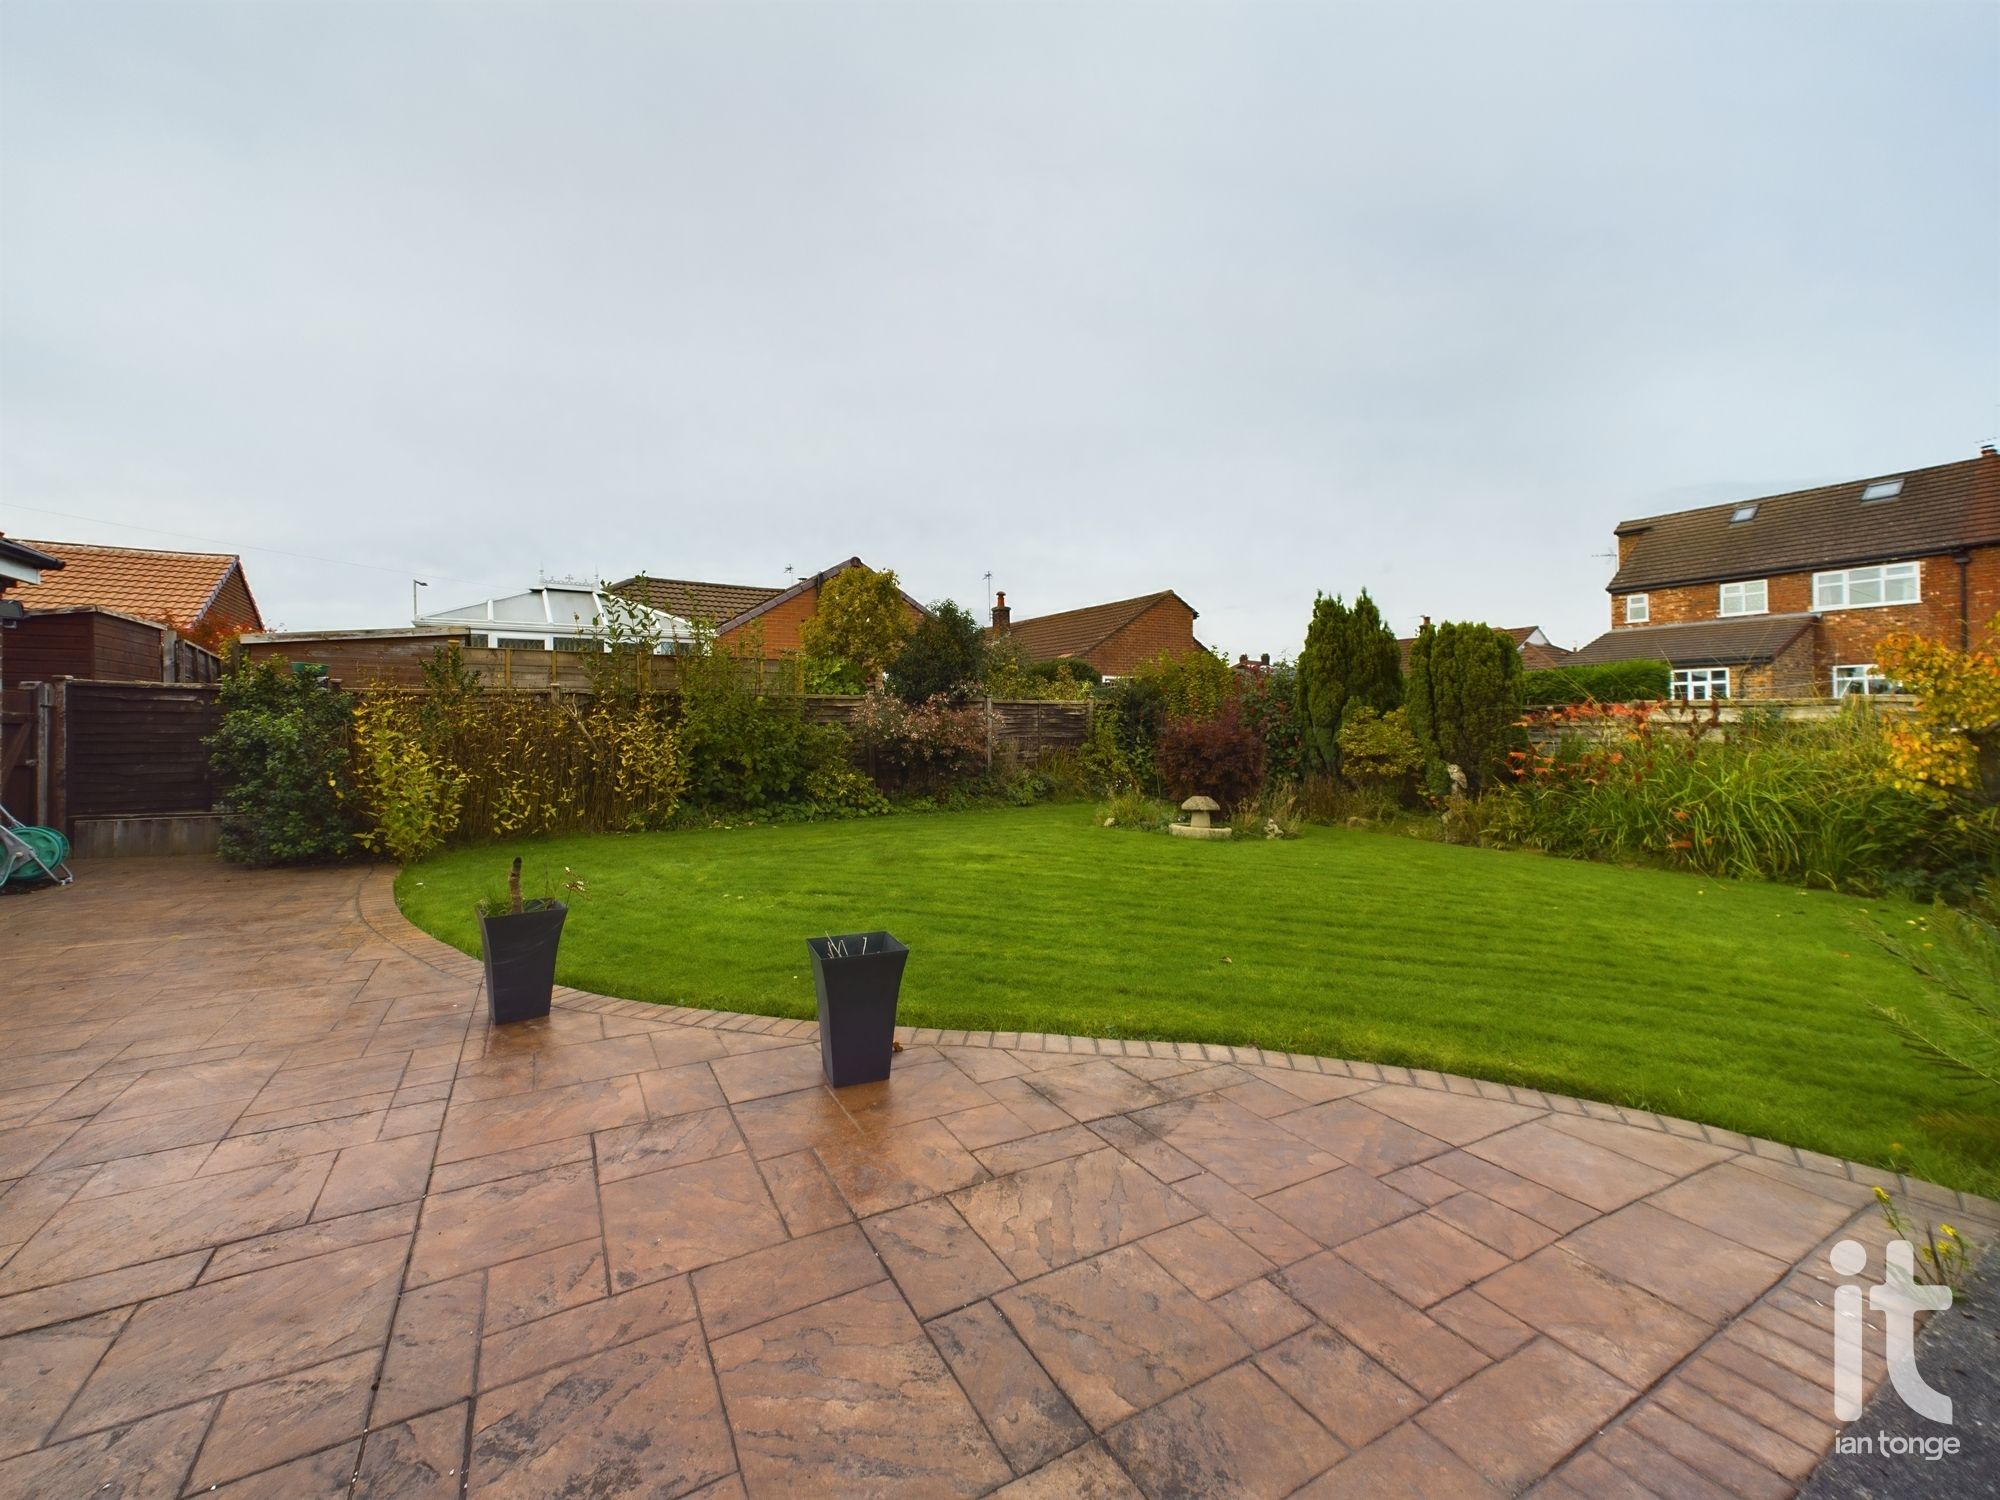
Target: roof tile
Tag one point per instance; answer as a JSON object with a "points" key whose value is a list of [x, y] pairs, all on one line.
{"points": [[175, 587]]}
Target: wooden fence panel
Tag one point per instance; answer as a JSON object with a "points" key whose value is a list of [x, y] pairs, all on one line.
{"points": [[136, 748]]}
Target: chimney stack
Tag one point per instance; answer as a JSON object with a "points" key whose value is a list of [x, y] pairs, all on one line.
{"points": [[1002, 615]]}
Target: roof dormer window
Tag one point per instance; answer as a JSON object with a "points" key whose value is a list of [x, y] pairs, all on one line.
{"points": [[1743, 513], [1882, 489]]}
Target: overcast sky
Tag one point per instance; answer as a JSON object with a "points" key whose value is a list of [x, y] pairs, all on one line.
{"points": [[1246, 301]]}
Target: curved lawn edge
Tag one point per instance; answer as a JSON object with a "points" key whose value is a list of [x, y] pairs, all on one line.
{"points": [[384, 914], [1752, 1023]]}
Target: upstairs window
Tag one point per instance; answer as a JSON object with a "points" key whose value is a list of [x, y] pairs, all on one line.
{"points": [[1747, 512], [1881, 489], [1638, 609], [1742, 598], [1864, 588]]}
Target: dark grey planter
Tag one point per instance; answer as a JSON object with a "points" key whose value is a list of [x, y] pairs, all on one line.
{"points": [[857, 977], [520, 953]]}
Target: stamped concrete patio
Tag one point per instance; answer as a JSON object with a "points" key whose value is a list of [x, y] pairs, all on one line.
{"points": [[283, 1217]]}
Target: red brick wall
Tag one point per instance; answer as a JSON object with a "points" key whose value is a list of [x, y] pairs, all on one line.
{"points": [[781, 623], [1167, 626], [1843, 636], [234, 610]]}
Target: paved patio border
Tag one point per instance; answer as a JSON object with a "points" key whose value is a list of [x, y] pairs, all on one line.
{"points": [[379, 910]]}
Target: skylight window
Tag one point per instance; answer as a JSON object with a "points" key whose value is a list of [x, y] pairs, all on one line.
{"points": [[1743, 513], [1882, 489]]}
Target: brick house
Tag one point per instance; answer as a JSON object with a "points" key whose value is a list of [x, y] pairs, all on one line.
{"points": [[732, 609], [1116, 638], [1788, 596], [203, 595]]}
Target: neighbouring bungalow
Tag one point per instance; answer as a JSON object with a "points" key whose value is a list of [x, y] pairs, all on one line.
{"points": [[1789, 596], [1116, 638], [1538, 652], [735, 610]]}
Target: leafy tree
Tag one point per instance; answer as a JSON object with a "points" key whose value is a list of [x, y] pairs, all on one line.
{"points": [[1464, 697], [859, 625], [1350, 660], [944, 657], [281, 757], [1192, 685]]}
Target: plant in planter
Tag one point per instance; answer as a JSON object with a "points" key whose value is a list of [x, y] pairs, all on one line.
{"points": [[857, 977], [518, 940]]}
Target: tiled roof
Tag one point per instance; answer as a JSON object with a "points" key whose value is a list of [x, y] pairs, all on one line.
{"points": [[1535, 654], [1710, 643], [151, 585], [691, 599], [1938, 510], [1075, 631], [726, 605]]}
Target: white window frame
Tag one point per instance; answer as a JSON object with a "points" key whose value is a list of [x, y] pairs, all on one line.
{"points": [[1835, 589], [1743, 596], [1638, 609], [1699, 684], [1863, 677]]}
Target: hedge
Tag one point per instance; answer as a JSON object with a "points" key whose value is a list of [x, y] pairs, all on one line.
{"points": [[1608, 682]]}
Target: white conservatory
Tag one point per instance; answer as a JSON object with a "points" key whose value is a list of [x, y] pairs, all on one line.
{"points": [[556, 616]]}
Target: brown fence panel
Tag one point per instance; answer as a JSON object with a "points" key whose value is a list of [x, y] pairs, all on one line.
{"points": [[135, 748], [1030, 729], [21, 739]]}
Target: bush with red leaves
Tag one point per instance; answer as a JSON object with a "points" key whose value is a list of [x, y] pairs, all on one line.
{"points": [[1220, 757]]}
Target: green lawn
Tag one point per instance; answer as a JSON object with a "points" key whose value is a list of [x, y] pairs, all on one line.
{"points": [[1743, 1005]]}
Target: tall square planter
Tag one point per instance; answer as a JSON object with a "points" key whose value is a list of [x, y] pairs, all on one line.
{"points": [[857, 977], [519, 949]]}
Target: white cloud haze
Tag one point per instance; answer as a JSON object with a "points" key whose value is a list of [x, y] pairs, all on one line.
{"points": [[1242, 300]]}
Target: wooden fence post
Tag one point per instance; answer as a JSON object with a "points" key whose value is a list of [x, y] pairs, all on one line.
{"points": [[44, 742]]}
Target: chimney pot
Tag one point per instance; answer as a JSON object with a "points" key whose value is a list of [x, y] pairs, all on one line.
{"points": [[1002, 616], [1988, 450]]}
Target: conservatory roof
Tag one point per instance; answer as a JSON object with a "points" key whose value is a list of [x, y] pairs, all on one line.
{"points": [[549, 609]]}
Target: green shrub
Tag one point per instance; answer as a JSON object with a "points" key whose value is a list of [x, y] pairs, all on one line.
{"points": [[1464, 697], [1189, 685], [1135, 812], [1810, 804], [281, 758], [410, 793], [1269, 700], [748, 748], [1350, 658], [1377, 750], [943, 657], [1607, 682]]}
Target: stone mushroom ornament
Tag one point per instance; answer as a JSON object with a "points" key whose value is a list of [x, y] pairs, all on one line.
{"points": [[1200, 824]]}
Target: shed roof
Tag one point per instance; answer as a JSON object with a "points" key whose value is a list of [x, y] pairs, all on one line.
{"points": [[153, 585]]}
